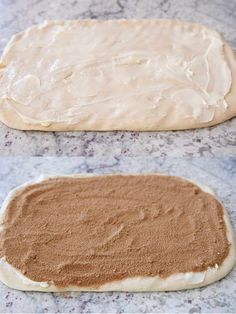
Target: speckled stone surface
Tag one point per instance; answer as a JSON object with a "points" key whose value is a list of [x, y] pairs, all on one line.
{"points": [[219, 174], [216, 141]]}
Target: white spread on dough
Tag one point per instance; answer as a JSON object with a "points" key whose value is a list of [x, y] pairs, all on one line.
{"points": [[113, 74]]}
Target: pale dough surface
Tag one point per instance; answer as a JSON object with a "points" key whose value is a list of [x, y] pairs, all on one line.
{"points": [[117, 75], [16, 280]]}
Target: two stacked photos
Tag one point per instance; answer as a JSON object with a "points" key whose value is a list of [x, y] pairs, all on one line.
{"points": [[118, 157]]}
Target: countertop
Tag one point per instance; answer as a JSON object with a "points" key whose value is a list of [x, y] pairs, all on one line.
{"points": [[218, 174], [216, 141], [105, 152]]}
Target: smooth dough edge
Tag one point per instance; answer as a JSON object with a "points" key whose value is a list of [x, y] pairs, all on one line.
{"points": [[14, 279], [10, 118]]}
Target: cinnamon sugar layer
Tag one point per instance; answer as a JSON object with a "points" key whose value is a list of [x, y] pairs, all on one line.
{"points": [[90, 231]]}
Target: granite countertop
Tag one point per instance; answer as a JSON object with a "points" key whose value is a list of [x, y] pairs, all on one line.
{"points": [[216, 141], [220, 297], [102, 152]]}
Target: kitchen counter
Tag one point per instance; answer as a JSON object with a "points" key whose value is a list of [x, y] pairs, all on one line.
{"points": [[218, 174], [215, 141], [108, 152]]}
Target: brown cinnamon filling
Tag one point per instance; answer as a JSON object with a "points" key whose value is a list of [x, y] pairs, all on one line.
{"points": [[90, 231]]}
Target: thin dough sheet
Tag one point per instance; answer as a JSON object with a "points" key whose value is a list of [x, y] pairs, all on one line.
{"points": [[13, 278], [117, 75]]}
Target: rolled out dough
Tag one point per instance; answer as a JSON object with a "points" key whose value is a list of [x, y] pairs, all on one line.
{"points": [[117, 75], [14, 279]]}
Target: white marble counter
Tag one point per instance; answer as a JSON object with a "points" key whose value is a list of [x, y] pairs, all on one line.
{"points": [[216, 141], [219, 174]]}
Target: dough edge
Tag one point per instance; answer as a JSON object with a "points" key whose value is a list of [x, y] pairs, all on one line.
{"points": [[10, 118], [11, 277]]}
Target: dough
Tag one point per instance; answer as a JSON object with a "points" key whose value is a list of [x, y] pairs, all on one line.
{"points": [[117, 75], [15, 279]]}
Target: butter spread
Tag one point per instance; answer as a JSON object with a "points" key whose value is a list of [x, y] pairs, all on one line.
{"points": [[91, 231], [119, 74]]}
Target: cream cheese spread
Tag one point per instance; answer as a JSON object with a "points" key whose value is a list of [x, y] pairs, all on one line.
{"points": [[118, 74]]}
